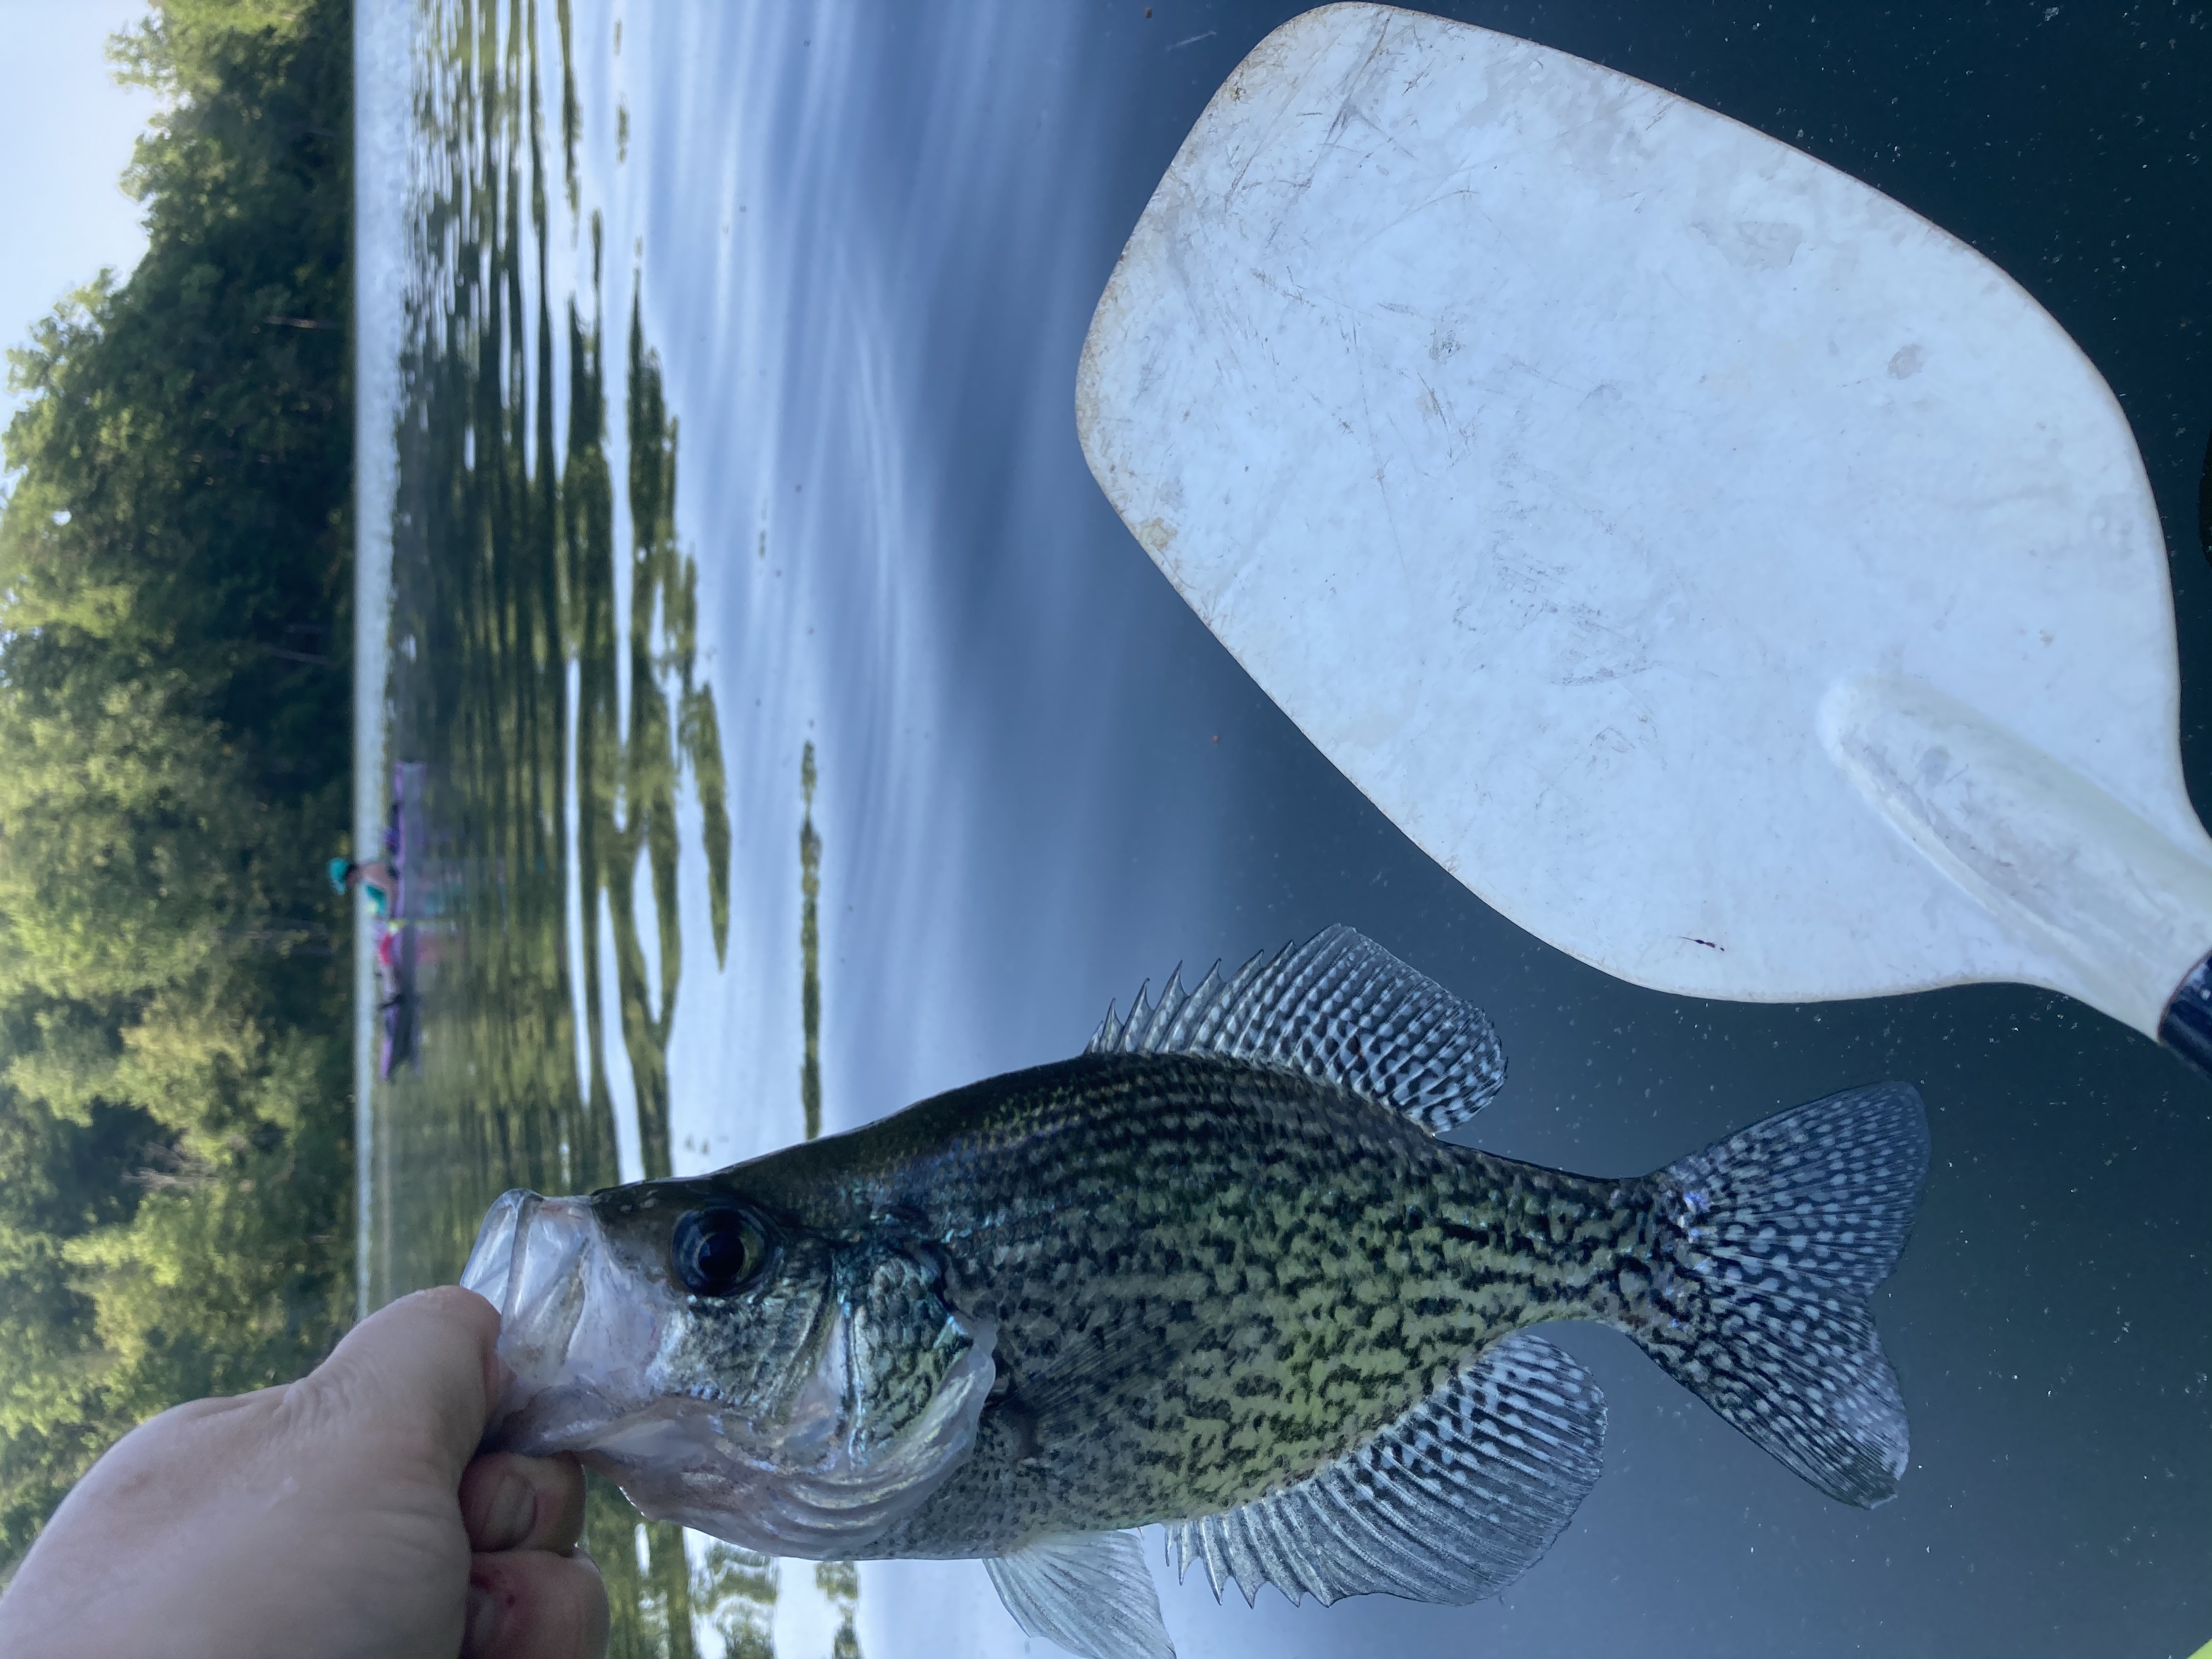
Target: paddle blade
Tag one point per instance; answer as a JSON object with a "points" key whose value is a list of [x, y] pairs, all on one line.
{"points": [[1547, 447]]}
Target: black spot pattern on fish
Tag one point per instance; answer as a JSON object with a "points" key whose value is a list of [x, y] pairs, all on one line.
{"points": [[1209, 1277], [1772, 1242], [1207, 1280]]}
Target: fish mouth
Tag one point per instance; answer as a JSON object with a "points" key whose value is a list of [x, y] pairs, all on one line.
{"points": [[575, 1335], [600, 1365]]}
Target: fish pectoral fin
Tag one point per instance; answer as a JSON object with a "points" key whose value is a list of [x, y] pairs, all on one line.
{"points": [[1115, 1359], [1340, 1009], [1451, 1502], [1091, 1593]]}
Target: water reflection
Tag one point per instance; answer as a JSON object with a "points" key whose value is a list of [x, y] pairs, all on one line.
{"points": [[840, 1585], [627, 780], [549, 725], [810, 950], [478, 694], [736, 1589]]}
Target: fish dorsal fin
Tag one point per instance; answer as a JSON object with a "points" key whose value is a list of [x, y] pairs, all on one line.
{"points": [[1091, 1593], [1451, 1502], [1339, 1008]]}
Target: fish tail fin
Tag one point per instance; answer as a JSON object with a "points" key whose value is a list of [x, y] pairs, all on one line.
{"points": [[1770, 1243]]}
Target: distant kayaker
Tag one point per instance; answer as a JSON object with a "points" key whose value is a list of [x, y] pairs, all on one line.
{"points": [[375, 878]]}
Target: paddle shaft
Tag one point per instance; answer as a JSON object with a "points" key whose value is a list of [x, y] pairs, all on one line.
{"points": [[2118, 913]]}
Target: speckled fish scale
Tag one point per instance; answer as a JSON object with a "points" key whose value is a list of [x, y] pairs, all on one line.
{"points": [[1208, 1277], [1231, 1281]]}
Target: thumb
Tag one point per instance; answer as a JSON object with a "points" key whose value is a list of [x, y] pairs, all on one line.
{"points": [[425, 1367]]}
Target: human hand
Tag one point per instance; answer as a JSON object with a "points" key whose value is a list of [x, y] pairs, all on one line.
{"points": [[344, 1515]]}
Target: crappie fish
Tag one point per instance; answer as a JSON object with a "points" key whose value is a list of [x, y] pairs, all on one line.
{"points": [[1217, 1272]]}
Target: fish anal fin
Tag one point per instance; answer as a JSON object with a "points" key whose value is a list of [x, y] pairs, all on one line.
{"points": [[1451, 1502], [1092, 1594], [1339, 1008]]}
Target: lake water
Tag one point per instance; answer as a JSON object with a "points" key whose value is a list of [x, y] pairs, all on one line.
{"points": [[783, 728]]}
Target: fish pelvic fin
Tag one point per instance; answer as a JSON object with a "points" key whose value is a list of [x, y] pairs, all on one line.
{"points": [[1771, 1243], [1339, 1008], [1090, 1593], [1451, 1502]]}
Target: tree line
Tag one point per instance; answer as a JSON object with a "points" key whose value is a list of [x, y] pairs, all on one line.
{"points": [[175, 713]]}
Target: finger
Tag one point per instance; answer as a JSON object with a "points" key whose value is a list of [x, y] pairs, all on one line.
{"points": [[526, 1604], [509, 1502], [427, 1362]]}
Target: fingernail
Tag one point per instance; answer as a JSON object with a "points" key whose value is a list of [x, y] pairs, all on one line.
{"points": [[513, 1512], [484, 1622]]}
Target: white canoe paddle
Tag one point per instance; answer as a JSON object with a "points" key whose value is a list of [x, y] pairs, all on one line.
{"points": [[1730, 576]]}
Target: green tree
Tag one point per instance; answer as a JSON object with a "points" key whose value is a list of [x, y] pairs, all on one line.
{"points": [[174, 701]]}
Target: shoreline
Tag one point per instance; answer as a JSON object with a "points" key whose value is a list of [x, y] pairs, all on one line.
{"points": [[382, 80]]}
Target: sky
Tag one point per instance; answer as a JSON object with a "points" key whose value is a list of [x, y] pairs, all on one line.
{"points": [[65, 131]]}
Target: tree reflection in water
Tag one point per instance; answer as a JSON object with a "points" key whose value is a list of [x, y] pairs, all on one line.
{"points": [[555, 735]]}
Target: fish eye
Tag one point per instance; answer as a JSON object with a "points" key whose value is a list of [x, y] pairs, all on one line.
{"points": [[717, 1250]]}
